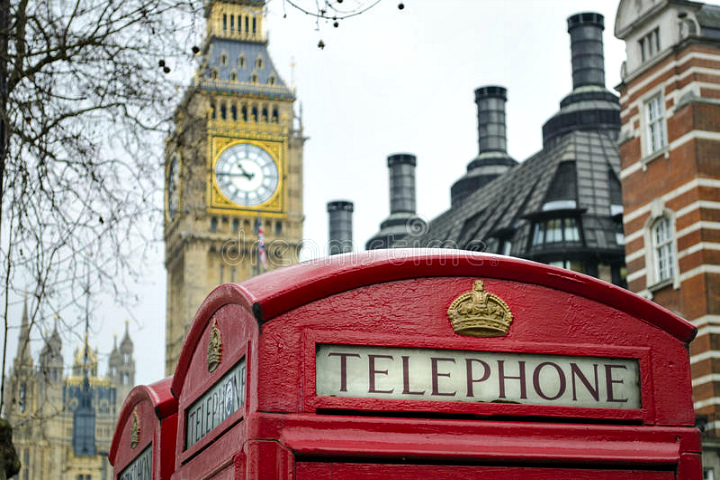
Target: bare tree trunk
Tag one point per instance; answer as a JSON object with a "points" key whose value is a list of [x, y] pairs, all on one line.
{"points": [[4, 41]]}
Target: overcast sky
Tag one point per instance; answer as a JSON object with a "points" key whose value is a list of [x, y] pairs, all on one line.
{"points": [[393, 81], [403, 81]]}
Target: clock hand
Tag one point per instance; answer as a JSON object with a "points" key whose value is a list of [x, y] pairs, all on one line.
{"points": [[249, 176], [244, 173]]}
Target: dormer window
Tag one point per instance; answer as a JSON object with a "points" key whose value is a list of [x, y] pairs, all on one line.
{"points": [[223, 59], [259, 62], [233, 76], [241, 61], [556, 230], [271, 80], [650, 45], [253, 78]]}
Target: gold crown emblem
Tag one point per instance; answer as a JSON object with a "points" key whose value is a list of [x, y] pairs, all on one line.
{"points": [[479, 313], [214, 354], [134, 430]]}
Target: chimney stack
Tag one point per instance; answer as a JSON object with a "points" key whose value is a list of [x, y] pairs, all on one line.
{"points": [[490, 103], [340, 215], [492, 159], [403, 225], [586, 44], [590, 107], [402, 183]]}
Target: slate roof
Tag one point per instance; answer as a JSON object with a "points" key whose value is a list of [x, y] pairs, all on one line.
{"points": [[250, 51], [505, 207], [709, 19]]}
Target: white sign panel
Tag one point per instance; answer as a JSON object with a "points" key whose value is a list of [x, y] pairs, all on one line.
{"points": [[463, 376], [218, 403], [140, 468]]}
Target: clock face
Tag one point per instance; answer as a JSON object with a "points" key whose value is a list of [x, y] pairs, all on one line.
{"points": [[247, 174], [173, 190]]}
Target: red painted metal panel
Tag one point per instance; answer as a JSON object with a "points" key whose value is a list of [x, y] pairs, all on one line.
{"points": [[287, 288], [328, 436], [412, 313], [154, 408], [369, 471]]}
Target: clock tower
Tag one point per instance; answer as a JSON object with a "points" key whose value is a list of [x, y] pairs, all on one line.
{"points": [[233, 165]]}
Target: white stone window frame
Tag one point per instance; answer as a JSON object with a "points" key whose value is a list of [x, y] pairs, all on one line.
{"points": [[653, 278], [649, 45], [653, 125]]}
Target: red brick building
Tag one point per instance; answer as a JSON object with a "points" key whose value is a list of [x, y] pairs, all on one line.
{"points": [[670, 173]]}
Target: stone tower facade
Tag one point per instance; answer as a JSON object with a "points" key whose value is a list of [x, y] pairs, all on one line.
{"points": [[669, 148], [122, 365], [233, 167], [62, 423]]}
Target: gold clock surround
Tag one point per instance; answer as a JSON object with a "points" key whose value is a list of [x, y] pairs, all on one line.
{"points": [[219, 204]]}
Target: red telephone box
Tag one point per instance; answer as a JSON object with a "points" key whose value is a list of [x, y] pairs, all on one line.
{"points": [[143, 445], [406, 364]]}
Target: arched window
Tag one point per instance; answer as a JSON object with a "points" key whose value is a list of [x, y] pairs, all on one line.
{"points": [[224, 21], [254, 113], [663, 251], [274, 115], [232, 22], [223, 111], [243, 112], [233, 112], [247, 29], [212, 110], [264, 114]]}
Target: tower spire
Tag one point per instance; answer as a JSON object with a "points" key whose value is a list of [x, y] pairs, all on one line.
{"points": [[84, 442], [23, 351]]}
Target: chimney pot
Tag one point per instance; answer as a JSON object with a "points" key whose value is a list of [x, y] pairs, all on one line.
{"points": [[340, 215], [402, 182], [586, 44], [490, 101]]}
